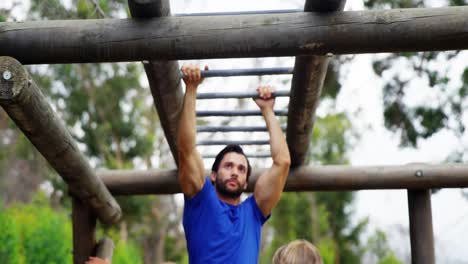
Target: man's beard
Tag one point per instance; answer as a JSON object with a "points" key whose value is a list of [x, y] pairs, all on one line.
{"points": [[221, 187]]}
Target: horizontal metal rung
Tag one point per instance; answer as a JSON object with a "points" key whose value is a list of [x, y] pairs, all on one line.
{"points": [[234, 129], [238, 113], [233, 142], [281, 11], [245, 72], [238, 95], [264, 156]]}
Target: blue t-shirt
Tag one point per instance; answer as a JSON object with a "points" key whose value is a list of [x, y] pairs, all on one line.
{"points": [[218, 232]]}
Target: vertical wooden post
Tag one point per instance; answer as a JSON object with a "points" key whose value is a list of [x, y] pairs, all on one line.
{"points": [[84, 231], [163, 76], [306, 87], [421, 232], [105, 249]]}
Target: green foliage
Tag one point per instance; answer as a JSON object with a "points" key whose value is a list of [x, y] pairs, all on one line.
{"points": [[348, 246], [390, 259], [80, 9], [413, 122], [330, 142], [458, 2], [9, 239], [326, 248], [171, 253], [126, 253], [329, 139], [291, 219], [396, 118], [431, 119], [45, 235], [52, 9], [378, 247], [464, 89], [331, 85], [138, 206]]}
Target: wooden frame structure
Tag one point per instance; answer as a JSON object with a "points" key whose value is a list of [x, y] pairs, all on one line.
{"points": [[155, 37]]}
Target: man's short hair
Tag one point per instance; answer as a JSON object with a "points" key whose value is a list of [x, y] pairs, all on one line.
{"points": [[228, 149]]}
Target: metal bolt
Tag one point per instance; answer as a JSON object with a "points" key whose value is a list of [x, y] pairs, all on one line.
{"points": [[418, 173], [7, 75]]}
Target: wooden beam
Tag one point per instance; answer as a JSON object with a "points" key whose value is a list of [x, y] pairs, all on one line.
{"points": [[303, 179], [292, 34], [84, 231], [306, 87], [163, 76], [28, 108], [421, 231]]}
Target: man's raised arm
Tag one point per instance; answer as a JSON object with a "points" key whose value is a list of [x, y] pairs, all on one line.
{"points": [[270, 184], [191, 170]]}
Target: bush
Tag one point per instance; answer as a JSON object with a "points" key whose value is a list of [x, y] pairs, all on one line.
{"points": [[126, 253], [45, 235], [9, 240]]}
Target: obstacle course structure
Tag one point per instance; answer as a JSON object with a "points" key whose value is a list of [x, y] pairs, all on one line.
{"points": [[156, 38]]}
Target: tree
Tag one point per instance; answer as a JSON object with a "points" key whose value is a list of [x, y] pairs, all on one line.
{"points": [[444, 107], [424, 118], [22, 167], [380, 250]]}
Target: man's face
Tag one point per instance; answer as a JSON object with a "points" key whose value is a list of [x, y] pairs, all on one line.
{"points": [[231, 178]]}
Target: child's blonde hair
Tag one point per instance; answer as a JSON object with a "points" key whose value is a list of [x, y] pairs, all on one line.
{"points": [[297, 252]]}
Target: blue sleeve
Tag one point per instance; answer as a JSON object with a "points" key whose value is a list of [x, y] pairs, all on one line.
{"points": [[198, 206], [200, 196], [256, 210]]}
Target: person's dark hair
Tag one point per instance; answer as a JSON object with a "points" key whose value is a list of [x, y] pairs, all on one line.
{"points": [[224, 151]]}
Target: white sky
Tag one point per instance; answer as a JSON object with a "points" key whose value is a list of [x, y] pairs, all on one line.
{"points": [[362, 91]]}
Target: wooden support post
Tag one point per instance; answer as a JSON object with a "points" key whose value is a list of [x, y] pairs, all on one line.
{"points": [[105, 249], [306, 87], [421, 232], [259, 35], [28, 107], [149, 8], [84, 231], [304, 179], [163, 76]]}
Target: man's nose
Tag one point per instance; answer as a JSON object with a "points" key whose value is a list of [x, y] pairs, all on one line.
{"points": [[235, 172]]}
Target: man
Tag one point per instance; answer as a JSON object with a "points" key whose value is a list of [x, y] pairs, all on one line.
{"points": [[218, 227]]}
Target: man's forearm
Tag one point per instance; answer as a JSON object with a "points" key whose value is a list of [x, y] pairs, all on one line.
{"points": [[278, 147], [186, 138]]}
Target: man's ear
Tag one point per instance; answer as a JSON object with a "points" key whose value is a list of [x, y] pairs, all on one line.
{"points": [[213, 176]]}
